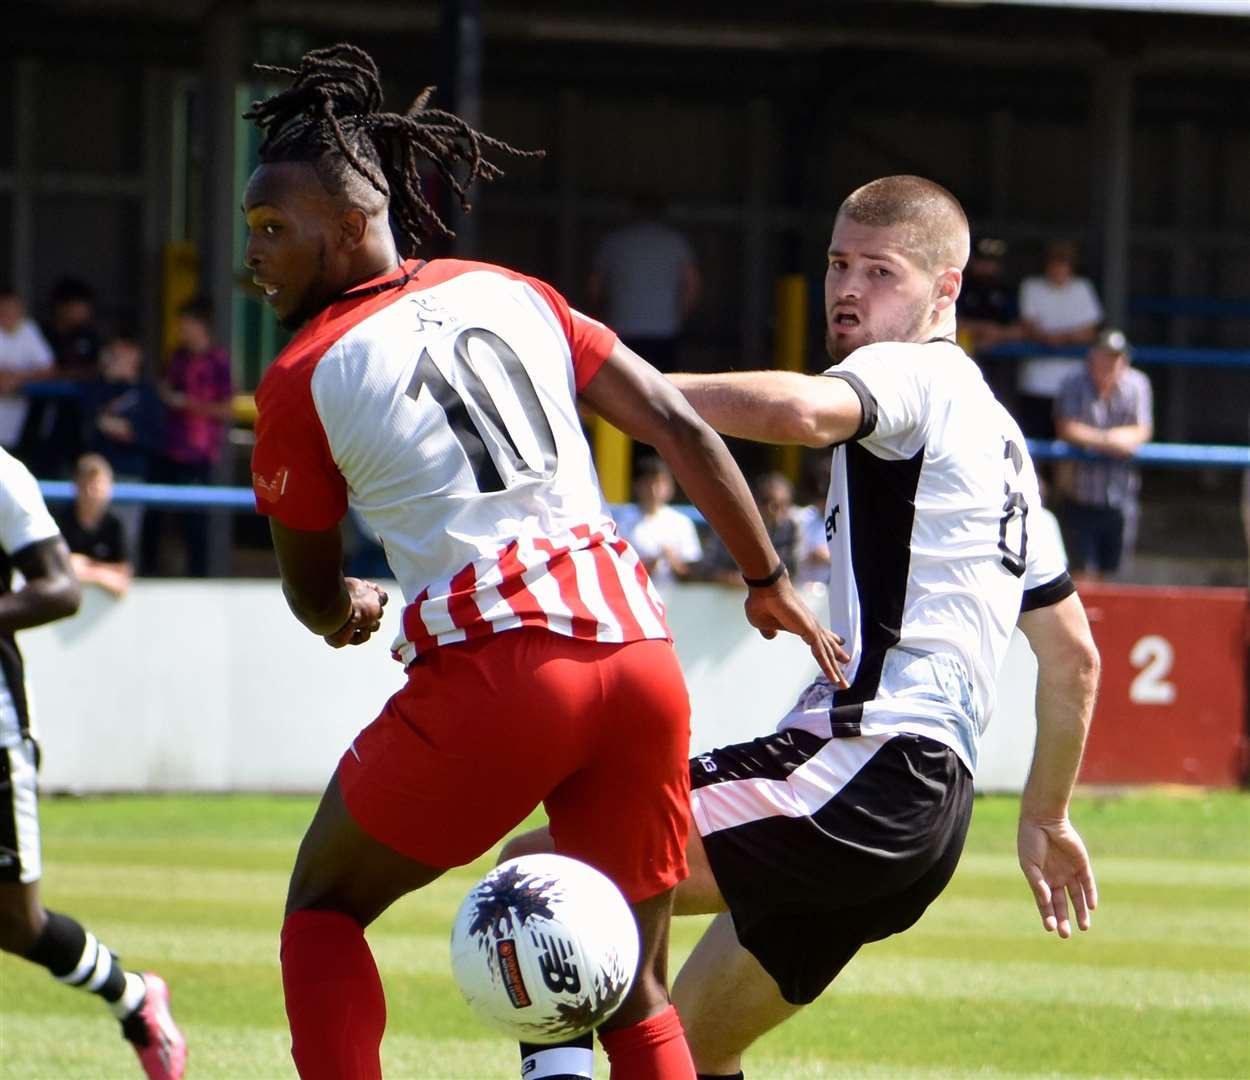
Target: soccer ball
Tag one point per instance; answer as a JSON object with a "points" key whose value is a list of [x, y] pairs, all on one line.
{"points": [[544, 948]]}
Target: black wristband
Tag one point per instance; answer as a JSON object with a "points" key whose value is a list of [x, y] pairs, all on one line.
{"points": [[764, 582]]}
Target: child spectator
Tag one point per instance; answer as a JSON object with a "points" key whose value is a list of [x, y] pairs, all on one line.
{"points": [[197, 393], [665, 539], [93, 532], [123, 421]]}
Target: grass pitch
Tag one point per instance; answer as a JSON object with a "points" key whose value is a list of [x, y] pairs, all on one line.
{"points": [[193, 887]]}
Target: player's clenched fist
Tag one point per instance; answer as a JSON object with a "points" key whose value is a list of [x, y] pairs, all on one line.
{"points": [[368, 599]]}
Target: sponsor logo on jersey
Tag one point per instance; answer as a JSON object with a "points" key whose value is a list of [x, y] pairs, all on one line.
{"points": [[831, 522], [510, 970], [708, 762], [271, 490]]}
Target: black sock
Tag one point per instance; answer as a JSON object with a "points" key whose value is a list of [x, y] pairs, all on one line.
{"points": [[76, 958], [720, 1076], [573, 1059]]}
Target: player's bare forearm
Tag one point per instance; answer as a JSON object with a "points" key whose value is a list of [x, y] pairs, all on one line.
{"points": [[344, 611], [636, 398], [51, 591], [1067, 686], [781, 407], [322, 612], [311, 565], [708, 474]]}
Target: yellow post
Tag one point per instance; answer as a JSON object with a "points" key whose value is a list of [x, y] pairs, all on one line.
{"points": [[180, 277], [613, 460], [790, 353]]}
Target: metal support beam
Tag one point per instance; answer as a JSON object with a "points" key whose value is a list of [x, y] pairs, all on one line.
{"points": [[223, 45], [1113, 134], [569, 273], [462, 49], [754, 311], [24, 180]]}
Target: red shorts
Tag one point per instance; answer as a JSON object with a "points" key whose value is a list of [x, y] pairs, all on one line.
{"points": [[487, 729]]}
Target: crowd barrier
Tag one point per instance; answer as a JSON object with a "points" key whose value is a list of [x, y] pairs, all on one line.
{"points": [[1143, 355], [213, 686], [212, 497], [1172, 702]]}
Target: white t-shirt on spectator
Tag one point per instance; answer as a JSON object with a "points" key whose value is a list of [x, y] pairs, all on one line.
{"points": [[1054, 309], [25, 350], [642, 266], [654, 534]]}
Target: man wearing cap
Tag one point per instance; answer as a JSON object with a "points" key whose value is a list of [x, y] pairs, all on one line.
{"points": [[1108, 409]]}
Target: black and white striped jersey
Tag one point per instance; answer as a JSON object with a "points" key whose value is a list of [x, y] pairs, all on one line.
{"points": [[24, 520], [927, 520]]}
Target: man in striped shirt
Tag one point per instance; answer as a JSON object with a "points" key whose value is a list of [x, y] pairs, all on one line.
{"points": [[440, 400], [1107, 408]]}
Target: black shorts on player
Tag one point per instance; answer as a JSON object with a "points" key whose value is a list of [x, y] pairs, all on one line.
{"points": [[807, 889]]}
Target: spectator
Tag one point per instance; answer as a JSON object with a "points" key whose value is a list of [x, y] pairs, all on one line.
{"points": [[197, 393], [987, 314], [665, 539], [52, 438], [774, 495], [645, 283], [987, 306], [1106, 408], [1057, 309], [24, 355], [98, 551], [124, 420], [72, 331]]}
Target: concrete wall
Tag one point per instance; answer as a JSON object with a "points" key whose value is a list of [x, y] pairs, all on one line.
{"points": [[212, 686]]}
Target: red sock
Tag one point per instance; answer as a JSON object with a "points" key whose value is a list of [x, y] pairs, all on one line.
{"points": [[652, 1050], [334, 999]]}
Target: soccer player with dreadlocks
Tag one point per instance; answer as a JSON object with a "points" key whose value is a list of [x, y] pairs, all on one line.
{"points": [[439, 399]]}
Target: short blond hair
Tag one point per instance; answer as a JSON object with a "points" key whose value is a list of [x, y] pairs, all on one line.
{"points": [[936, 224]]}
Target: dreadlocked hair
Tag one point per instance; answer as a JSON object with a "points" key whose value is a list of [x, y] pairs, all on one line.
{"points": [[330, 117]]}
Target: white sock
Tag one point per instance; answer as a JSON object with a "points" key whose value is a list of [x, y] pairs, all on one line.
{"points": [[558, 1061], [132, 996]]}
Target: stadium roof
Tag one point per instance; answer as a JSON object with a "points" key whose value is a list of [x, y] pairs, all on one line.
{"points": [[1176, 7]]}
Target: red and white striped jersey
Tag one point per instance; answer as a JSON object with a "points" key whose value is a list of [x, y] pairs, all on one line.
{"points": [[439, 401]]}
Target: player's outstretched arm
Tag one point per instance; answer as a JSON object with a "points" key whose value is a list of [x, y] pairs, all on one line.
{"points": [[632, 395], [783, 407], [345, 611], [1052, 854], [51, 591]]}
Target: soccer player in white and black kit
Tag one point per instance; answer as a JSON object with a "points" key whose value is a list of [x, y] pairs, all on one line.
{"points": [[31, 544], [844, 825]]}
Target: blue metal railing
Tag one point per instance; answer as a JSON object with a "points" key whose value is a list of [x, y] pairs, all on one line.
{"points": [[1143, 355], [207, 497]]}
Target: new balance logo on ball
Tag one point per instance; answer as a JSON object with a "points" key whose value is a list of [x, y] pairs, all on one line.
{"points": [[558, 970]]}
